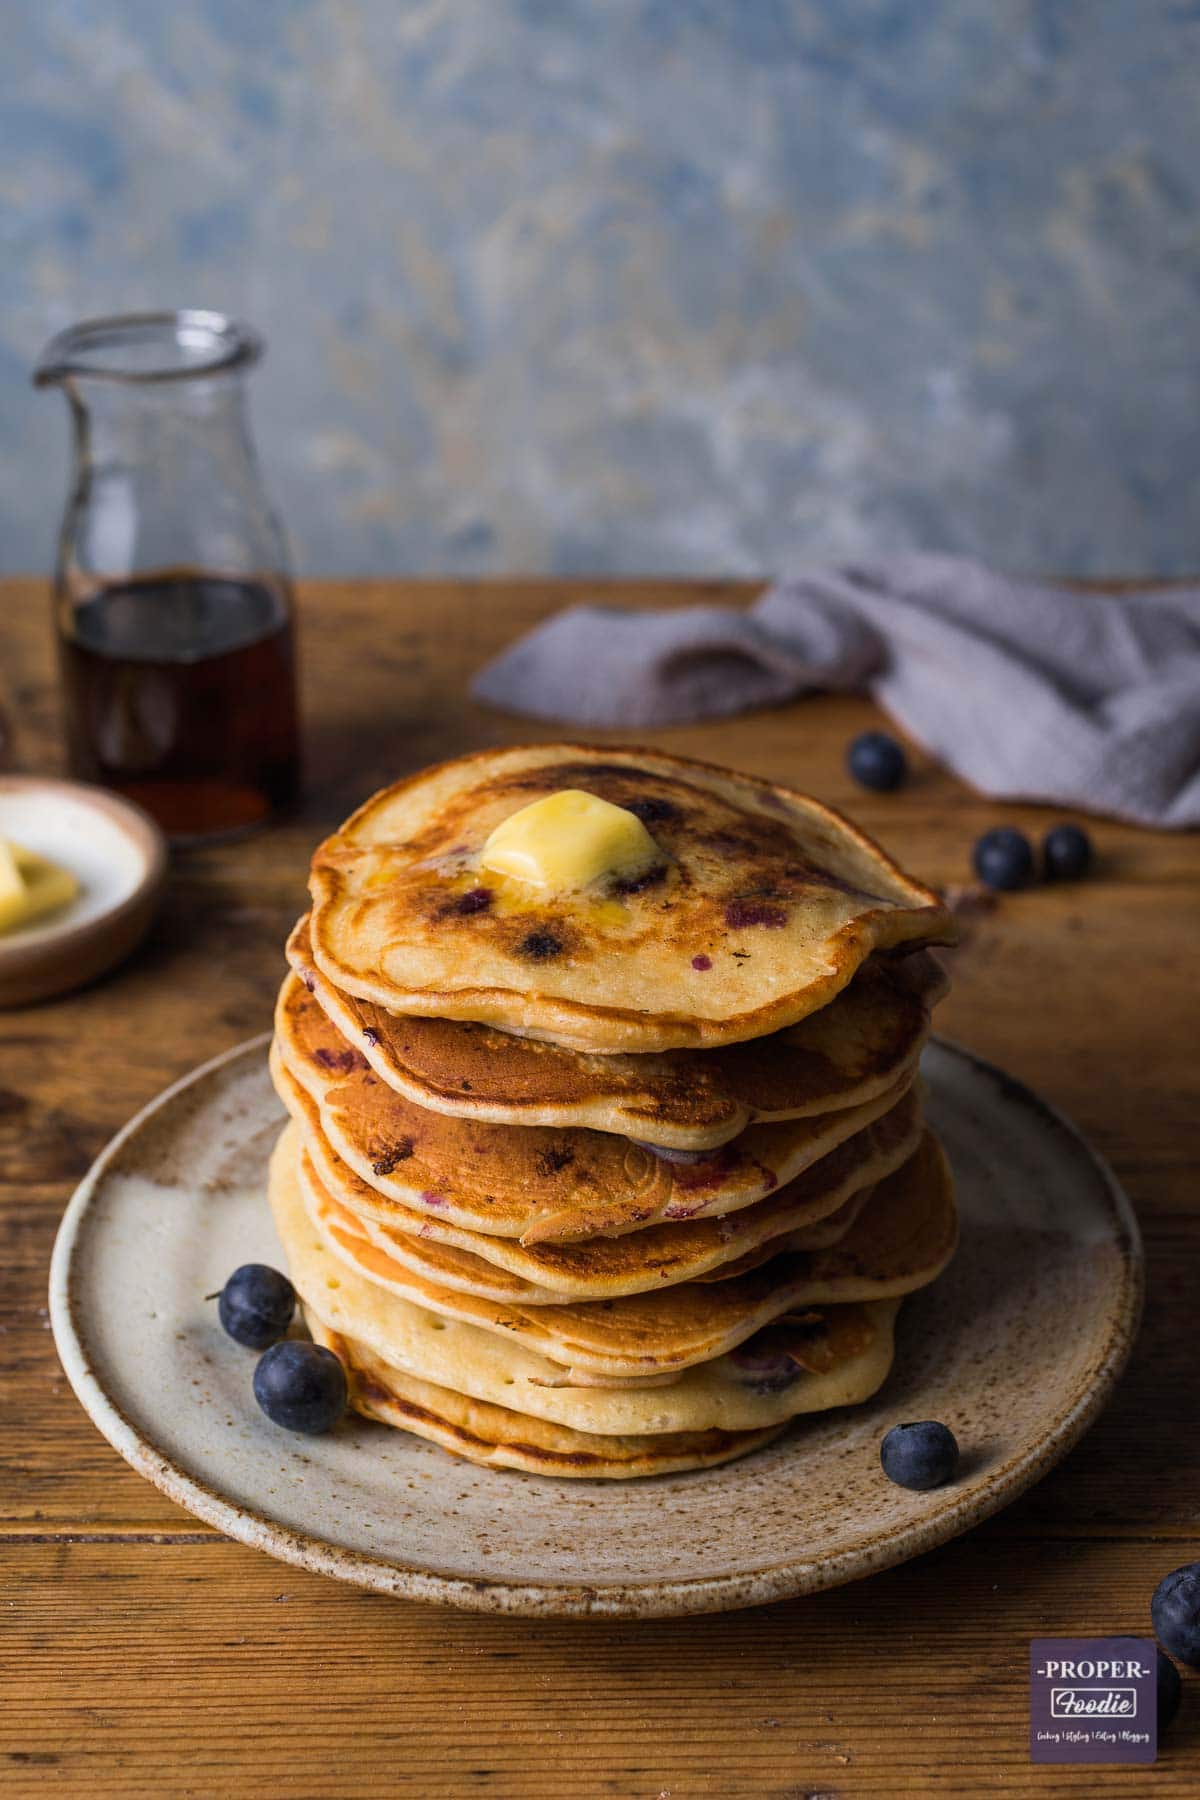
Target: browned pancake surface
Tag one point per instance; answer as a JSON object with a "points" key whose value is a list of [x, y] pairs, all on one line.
{"points": [[605, 1267], [852, 1049], [531, 1182], [900, 1242], [761, 909]]}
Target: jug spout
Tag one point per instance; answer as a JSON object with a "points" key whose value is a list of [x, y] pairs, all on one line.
{"points": [[148, 347]]}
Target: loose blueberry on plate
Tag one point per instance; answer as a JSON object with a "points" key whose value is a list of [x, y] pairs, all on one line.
{"points": [[300, 1386], [256, 1305], [920, 1455], [1066, 853], [877, 761], [1175, 1610], [1003, 858]]}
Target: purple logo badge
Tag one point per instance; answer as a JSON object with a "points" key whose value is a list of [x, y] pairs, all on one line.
{"points": [[1093, 1700]]}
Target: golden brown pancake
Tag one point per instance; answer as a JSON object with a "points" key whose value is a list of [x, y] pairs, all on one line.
{"points": [[824, 1357], [606, 1267], [532, 1182], [427, 1260], [451, 1266], [497, 1437], [901, 1242], [817, 1236], [762, 907], [853, 1049]]}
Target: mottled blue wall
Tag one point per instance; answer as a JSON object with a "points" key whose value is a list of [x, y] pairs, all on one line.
{"points": [[621, 285]]}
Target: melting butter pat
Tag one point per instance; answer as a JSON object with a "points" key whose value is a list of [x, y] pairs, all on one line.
{"points": [[30, 885], [568, 840]]}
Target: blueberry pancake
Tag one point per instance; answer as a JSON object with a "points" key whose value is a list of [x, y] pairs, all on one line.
{"points": [[500, 1438], [850, 1051], [810, 1213], [901, 1241], [728, 909], [533, 1182], [840, 1354]]}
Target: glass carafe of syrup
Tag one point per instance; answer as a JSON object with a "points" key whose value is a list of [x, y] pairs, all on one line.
{"points": [[173, 602]]}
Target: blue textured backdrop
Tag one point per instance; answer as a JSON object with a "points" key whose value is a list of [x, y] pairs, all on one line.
{"points": [[621, 285]]}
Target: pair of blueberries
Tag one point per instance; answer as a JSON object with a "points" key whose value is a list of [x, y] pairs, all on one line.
{"points": [[299, 1385]]}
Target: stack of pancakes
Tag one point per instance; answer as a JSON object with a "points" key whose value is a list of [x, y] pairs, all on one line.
{"points": [[619, 1180]]}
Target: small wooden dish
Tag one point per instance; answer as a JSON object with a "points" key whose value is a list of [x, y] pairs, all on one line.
{"points": [[119, 856]]}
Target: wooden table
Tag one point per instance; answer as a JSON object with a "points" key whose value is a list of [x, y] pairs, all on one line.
{"points": [[143, 1654]]}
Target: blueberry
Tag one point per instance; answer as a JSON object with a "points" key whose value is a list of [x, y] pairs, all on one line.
{"points": [[877, 761], [1175, 1610], [256, 1305], [920, 1455], [1066, 853], [300, 1386], [1168, 1686], [1003, 858]]}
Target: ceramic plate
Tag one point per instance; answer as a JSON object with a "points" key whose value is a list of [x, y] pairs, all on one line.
{"points": [[1017, 1346]]}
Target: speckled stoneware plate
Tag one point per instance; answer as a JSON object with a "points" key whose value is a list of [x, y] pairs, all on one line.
{"points": [[1016, 1347]]}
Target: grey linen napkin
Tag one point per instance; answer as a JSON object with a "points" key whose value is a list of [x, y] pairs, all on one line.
{"points": [[1026, 691]]}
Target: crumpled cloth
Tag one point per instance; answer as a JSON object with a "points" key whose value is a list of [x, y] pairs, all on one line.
{"points": [[1027, 691]]}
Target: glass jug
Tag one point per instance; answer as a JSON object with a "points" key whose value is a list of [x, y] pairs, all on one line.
{"points": [[173, 602]]}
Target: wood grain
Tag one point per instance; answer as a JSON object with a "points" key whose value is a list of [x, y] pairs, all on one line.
{"points": [[145, 1655], [139, 1669]]}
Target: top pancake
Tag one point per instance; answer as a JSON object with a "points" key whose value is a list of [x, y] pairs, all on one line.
{"points": [[764, 905], [855, 1048]]}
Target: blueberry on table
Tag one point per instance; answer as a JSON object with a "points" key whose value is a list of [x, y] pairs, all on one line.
{"points": [[300, 1386], [1003, 858], [1066, 853], [920, 1455], [1175, 1610], [877, 761], [256, 1305]]}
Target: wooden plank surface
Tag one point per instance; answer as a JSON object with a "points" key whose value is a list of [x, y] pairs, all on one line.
{"points": [[145, 1655]]}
